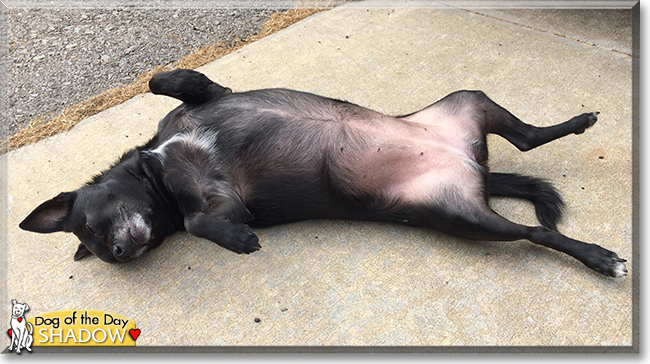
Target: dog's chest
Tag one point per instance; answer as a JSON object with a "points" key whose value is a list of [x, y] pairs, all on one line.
{"points": [[17, 322]]}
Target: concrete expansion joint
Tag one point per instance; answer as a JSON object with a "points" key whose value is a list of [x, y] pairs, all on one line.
{"points": [[548, 32]]}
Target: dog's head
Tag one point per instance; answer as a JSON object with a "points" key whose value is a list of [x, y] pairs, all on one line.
{"points": [[19, 309], [117, 216]]}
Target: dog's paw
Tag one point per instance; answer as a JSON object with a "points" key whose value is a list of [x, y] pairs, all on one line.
{"points": [[584, 121], [241, 240], [605, 262]]}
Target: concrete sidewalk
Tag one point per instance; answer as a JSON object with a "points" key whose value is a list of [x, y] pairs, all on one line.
{"points": [[353, 283]]}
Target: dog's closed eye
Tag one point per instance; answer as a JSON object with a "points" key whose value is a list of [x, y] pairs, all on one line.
{"points": [[91, 231]]}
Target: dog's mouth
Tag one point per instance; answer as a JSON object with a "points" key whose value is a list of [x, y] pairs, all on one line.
{"points": [[134, 240]]}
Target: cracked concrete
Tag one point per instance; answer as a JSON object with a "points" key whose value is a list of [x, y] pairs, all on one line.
{"points": [[324, 283]]}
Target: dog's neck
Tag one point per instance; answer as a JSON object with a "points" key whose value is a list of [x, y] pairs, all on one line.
{"points": [[154, 185]]}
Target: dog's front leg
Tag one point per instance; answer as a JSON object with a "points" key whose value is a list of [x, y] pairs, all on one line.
{"points": [[210, 206], [21, 341], [232, 236], [217, 214], [13, 339]]}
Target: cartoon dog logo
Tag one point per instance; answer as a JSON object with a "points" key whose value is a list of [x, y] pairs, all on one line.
{"points": [[21, 337]]}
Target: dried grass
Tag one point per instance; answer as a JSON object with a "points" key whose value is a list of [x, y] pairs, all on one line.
{"points": [[49, 125]]}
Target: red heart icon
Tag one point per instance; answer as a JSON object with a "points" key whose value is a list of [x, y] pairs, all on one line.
{"points": [[20, 319], [9, 332], [134, 333]]}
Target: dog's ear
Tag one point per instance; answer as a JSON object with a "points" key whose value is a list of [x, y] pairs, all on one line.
{"points": [[82, 252], [51, 215], [13, 301]]}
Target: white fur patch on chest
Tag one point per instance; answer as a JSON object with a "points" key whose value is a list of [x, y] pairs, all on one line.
{"points": [[193, 139]]}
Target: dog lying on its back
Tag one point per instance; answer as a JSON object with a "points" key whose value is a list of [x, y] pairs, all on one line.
{"points": [[224, 161]]}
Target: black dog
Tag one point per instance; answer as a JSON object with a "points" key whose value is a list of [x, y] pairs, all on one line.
{"points": [[222, 160]]}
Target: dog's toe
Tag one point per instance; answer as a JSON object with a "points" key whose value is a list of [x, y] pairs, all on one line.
{"points": [[592, 118], [251, 244], [618, 268], [242, 241], [584, 121]]}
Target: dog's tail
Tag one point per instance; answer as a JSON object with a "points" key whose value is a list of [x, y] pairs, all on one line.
{"points": [[547, 200], [189, 86], [30, 328]]}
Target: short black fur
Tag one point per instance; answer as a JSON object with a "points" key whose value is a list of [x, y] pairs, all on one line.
{"points": [[224, 161]]}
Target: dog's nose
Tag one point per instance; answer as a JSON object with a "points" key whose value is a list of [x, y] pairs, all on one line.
{"points": [[120, 253]]}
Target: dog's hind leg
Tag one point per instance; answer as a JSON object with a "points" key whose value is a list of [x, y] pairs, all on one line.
{"points": [[482, 223], [524, 136], [474, 113]]}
